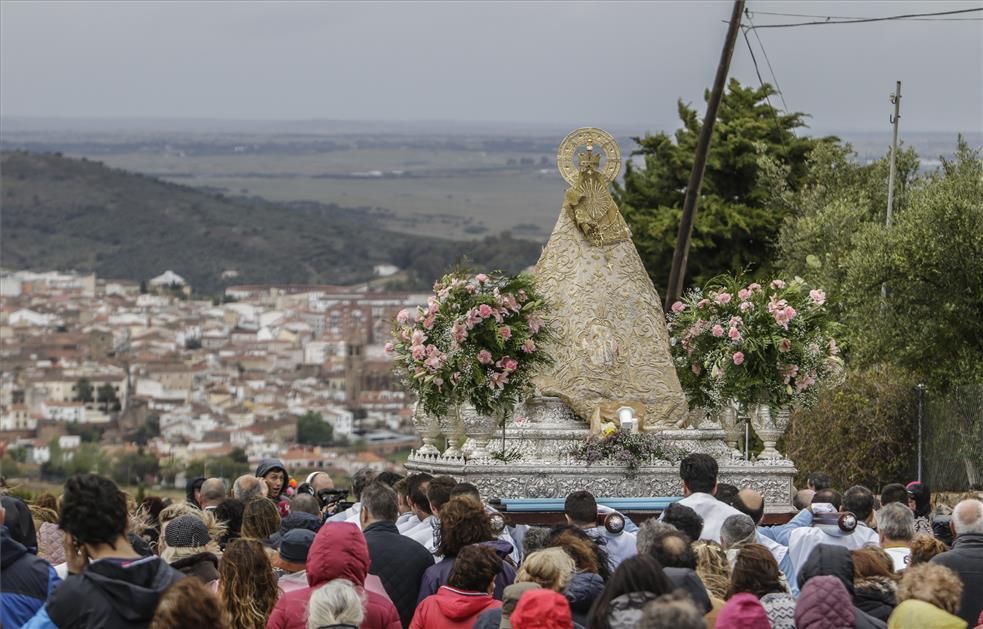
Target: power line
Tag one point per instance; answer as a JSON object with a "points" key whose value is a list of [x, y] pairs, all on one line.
{"points": [[771, 70], [857, 17], [907, 16], [761, 82]]}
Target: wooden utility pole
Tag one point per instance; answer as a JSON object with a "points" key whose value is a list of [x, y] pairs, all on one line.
{"points": [[678, 271]]}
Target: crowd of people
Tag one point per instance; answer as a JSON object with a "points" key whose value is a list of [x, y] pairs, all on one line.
{"points": [[425, 552]]}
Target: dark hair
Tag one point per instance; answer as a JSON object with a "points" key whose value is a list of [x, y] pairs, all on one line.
{"points": [[93, 510], [247, 584], [699, 472], [755, 514], [416, 490], [685, 519], [820, 481], [474, 569], [230, 511], [260, 519], [466, 489], [922, 495], [463, 522], [151, 507], [859, 501], [360, 480], [581, 508], [894, 492], [640, 573], [439, 491], [675, 610], [381, 502], [727, 494], [755, 571], [401, 487], [188, 603], [587, 554], [389, 478], [830, 496], [48, 501], [672, 550]]}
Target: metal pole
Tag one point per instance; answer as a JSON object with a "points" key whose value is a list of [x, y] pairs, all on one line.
{"points": [[896, 99], [921, 418], [678, 270]]}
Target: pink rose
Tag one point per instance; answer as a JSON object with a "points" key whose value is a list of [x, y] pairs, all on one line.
{"points": [[746, 306], [505, 331], [818, 297], [738, 358], [418, 352], [403, 316], [678, 307], [734, 334], [717, 330], [418, 337], [784, 345], [723, 298], [485, 310], [428, 322], [484, 357], [481, 277], [459, 331], [753, 287], [389, 347], [534, 323], [789, 312], [743, 294], [778, 284], [497, 380], [509, 364], [702, 303], [529, 346]]}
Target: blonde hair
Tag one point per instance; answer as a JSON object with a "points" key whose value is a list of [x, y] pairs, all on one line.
{"points": [[551, 568], [924, 547], [713, 568], [337, 602], [931, 583], [170, 554]]}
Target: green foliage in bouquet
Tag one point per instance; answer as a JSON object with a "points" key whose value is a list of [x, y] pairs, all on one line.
{"points": [[629, 449]]}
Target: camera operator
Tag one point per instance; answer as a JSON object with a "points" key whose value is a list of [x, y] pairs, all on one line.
{"points": [[360, 481]]}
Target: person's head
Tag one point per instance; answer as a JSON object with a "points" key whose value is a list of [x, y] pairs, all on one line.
{"points": [[47, 501], [737, 530], [919, 499], [551, 568], [751, 503], [639, 573], [319, 481], [151, 507], [294, 547], [894, 492], [248, 487], [274, 474], [401, 487], [699, 474], [859, 501], [230, 513], [534, 539], [475, 569], [305, 503], [756, 572], [260, 519], [416, 494], [463, 522], [871, 561], [674, 610], [828, 496], [193, 490], [541, 609], [647, 532], [672, 550], [924, 547], [439, 493], [188, 603], [712, 567], [361, 480], [895, 523], [727, 494], [685, 519], [337, 602], [587, 554], [967, 517], [379, 504], [213, 492], [819, 481], [247, 584], [93, 512], [184, 536], [580, 507], [466, 489], [932, 583], [19, 522], [388, 478], [803, 498]]}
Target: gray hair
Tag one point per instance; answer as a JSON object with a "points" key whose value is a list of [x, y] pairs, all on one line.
{"points": [[360, 481], [736, 530], [896, 521], [673, 610], [381, 502], [967, 517], [213, 490], [337, 602], [248, 487], [305, 503], [534, 539], [648, 531]]}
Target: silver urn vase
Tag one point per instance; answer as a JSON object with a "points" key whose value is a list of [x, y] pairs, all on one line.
{"points": [[731, 425], [428, 427], [479, 428], [769, 424], [452, 425]]}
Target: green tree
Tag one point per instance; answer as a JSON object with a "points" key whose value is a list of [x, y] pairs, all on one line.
{"points": [[106, 396], [735, 229], [312, 429], [83, 391], [238, 455], [134, 468]]}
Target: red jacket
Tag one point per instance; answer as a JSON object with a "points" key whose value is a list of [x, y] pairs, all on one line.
{"points": [[450, 608], [338, 552]]}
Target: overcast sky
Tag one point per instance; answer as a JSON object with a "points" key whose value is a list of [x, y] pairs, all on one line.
{"points": [[578, 63]]}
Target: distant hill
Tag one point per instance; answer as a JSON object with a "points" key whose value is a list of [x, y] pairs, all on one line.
{"points": [[62, 213]]}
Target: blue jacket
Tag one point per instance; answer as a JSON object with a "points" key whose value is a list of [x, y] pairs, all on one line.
{"points": [[438, 574], [26, 584]]}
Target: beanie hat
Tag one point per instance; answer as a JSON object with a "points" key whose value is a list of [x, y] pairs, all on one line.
{"points": [[295, 545], [743, 611], [186, 531], [542, 609]]}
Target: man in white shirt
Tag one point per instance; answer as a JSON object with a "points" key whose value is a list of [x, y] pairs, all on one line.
{"points": [[896, 528], [858, 501], [580, 508], [416, 499], [699, 475]]}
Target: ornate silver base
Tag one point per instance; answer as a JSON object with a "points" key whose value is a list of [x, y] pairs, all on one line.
{"points": [[544, 436]]}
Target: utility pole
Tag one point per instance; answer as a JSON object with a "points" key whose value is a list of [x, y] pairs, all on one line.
{"points": [[678, 271], [896, 100]]}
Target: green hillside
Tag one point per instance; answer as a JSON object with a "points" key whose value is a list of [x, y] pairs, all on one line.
{"points": [[61, 213]]}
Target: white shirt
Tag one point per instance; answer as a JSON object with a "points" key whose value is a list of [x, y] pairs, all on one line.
{"points": [[618, 546], [777, 550], [900, 555], [350, 515], [803, 540], [712, 511], [406, 521], [423, 533]]}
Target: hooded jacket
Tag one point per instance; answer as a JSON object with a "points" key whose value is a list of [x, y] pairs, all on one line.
{"points": [[268, 465], [625, 611], [400, 563], [583, 588], [26, 583], [966, 560], [189, 490], [338, 552], [743, 611], [915, 614], [438, 574], [831, 560], [451, 608], [202, 565], [824, 604], [108, 594], [878, 596]]}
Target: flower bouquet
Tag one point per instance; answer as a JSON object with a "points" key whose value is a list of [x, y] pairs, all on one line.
{"points": [[630, 449], [477, 342]]}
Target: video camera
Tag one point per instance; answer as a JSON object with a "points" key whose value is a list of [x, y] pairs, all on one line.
{"points": [[335, 498]]}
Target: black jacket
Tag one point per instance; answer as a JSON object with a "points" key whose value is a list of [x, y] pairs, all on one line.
{"points": [[399, 562], [878, 596], [112, 593], [966, 560], [203, 565], [832, 560]]}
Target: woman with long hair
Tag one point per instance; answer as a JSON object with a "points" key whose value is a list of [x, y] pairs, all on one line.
{"points": [[637, 581], [592, 568], [756, 572], [247, 584], [260, 520], [875, 583], [713, 568]]}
